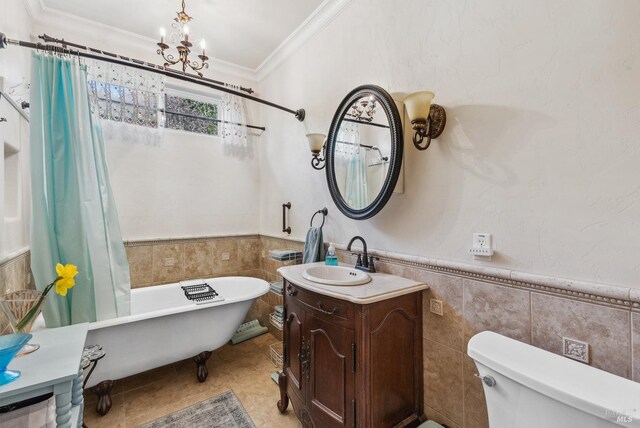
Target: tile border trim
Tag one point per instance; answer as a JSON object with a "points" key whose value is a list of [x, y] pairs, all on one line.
{"points": [[13, 256], [581, 290], [186, 240]]}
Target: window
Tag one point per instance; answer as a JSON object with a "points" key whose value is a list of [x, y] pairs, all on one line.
{"points": [[124, 104], [141, 104], [186, 114]]}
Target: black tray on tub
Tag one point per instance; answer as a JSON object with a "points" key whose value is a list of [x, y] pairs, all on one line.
{"points": [[199, 292]]}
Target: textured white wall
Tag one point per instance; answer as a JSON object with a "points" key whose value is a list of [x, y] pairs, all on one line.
{"points": [[185, 184], [14, 68], [541, 146]]}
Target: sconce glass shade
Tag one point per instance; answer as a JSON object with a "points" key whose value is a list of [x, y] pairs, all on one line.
{"points": [[316, 141], [418, 105]]}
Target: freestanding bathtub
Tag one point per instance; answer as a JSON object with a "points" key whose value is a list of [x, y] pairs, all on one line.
{"points": [[165, 327]]}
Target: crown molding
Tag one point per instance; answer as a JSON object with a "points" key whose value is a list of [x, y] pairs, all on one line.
{"points": [[319, 19], [33, 8], [53, 19]]}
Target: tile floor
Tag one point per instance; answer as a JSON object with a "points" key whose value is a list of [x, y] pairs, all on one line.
{"points": [[245, 369]]}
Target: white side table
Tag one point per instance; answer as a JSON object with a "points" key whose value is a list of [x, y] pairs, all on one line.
{"points": [[54, 368]]}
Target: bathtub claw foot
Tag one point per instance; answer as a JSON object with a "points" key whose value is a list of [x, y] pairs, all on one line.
{"points": [[283, 403], [201, 361], [103, 391]]}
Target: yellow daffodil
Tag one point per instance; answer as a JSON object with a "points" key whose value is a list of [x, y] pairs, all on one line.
{"points": [[65, 279], [63, 282]]}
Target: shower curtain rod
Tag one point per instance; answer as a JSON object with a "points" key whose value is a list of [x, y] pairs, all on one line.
{"points": [[101, 55], [208, 119], [361, 122]]}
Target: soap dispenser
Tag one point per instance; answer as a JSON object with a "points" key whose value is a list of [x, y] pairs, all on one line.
{"points": [[331, 259]]}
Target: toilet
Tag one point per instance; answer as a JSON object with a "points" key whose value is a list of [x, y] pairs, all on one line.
{"points": [[527, 387]]}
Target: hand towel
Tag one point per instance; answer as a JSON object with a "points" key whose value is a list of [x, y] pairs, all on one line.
{"points": [[313, 246]]}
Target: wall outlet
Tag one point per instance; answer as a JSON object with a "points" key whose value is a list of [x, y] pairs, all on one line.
{"points": [[481, 245], [225, 257], [575, 349], [435, 306], [169, 261]]}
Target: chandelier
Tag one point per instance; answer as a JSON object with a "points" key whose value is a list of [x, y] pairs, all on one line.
{"points": [[363, 110], [179, 36]]}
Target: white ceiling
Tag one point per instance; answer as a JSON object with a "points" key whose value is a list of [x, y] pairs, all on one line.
{"points": [[241, 32]]}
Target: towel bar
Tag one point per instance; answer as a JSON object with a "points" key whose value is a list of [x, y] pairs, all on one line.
{"points": [[324, 213], [285, 207]]}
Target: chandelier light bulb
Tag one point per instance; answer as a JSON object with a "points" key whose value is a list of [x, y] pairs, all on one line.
{"points": [[203, 44], [180, 30]]}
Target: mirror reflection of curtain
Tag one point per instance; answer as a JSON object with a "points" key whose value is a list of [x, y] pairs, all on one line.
{"points": [[356, 194], [233, 118]]}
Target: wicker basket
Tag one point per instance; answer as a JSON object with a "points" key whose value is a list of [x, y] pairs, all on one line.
{"points": [[276, 354], [16, 304]]}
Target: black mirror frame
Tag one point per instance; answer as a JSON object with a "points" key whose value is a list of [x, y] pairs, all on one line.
{"points": [[395, 158]]}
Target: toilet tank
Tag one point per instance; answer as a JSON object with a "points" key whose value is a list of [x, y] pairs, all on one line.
{"points": [[535, 388]]}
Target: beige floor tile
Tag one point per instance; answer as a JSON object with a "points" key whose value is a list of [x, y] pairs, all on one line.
{"points": [[115, 418], [244, 369], [160, 374]]}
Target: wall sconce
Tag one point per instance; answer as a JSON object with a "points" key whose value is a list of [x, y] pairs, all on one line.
{"points": [[428, 120], [316, 144]]}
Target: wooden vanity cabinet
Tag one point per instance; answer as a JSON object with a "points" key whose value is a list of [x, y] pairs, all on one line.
{"points": [[352, 365]]}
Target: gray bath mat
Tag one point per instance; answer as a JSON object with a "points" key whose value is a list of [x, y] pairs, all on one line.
{"points": [[224, 411]]}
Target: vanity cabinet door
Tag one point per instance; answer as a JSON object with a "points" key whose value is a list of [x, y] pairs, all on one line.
{"points": [[295, 351], [330, 397]]}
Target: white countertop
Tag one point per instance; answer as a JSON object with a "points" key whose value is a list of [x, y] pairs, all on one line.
{"points": [[382, 286]]}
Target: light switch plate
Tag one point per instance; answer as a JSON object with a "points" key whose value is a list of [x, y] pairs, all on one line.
{"points": [[575, 349], [435, 306]]}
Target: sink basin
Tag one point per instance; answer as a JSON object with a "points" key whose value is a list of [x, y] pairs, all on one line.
{"points": [[336, 275]]}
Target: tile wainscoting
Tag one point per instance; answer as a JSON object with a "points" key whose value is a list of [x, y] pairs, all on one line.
{"points": [[539, 312], [15, 275], [531, 308], [166, 261]]}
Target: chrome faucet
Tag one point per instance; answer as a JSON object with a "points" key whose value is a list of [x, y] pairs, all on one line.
{"points": [[365, 261]]}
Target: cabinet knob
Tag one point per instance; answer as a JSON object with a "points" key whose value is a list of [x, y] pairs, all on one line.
{"points": [[291, 291]]}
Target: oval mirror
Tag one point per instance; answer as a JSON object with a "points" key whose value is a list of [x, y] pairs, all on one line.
{"points": [[364, 152]]}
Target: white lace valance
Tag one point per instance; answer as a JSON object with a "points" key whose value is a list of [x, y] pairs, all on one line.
{"points": [[233, 119], [125, 94]]}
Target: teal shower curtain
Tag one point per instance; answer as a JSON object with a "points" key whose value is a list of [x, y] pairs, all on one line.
{"points": [[74, 218], [356, 186]]}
